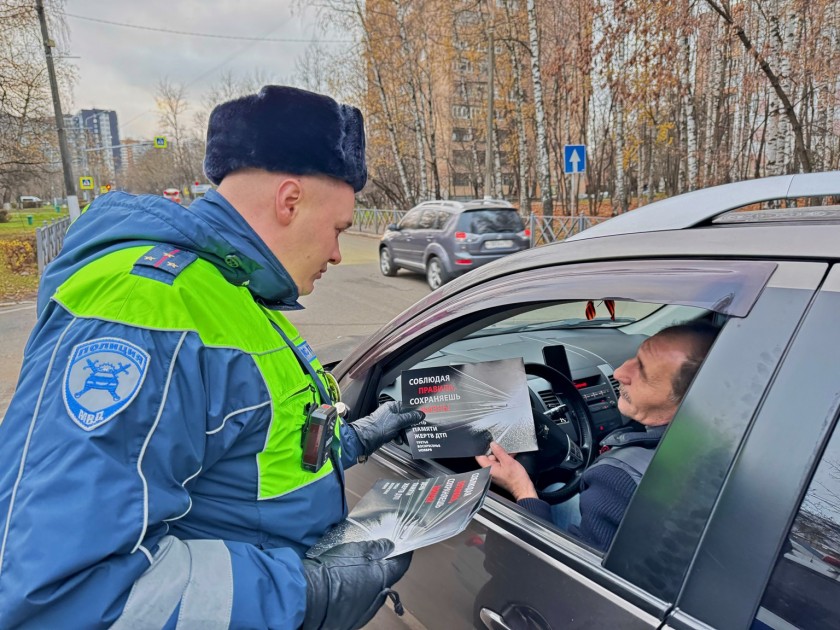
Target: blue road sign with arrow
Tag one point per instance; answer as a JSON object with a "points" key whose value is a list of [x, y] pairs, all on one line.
{"points": [[574, 158]]}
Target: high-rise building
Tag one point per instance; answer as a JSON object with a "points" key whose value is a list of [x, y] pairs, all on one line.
{"points": [[95, 131], [427, 101], [132, 150]]}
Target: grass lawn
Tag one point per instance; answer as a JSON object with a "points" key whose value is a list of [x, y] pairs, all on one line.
{"points": [[23, 285], [19, 224]]}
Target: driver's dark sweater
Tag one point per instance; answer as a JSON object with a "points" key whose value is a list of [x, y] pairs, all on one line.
{"points": [[605, 493]]}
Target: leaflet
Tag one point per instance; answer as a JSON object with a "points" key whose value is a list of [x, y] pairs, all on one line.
{"points": [[467, 406], [411, 514]]}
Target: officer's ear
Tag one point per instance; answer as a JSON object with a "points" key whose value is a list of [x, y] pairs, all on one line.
{"points": [[287, 199]]}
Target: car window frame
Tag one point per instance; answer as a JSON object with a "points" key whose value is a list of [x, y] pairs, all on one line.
{"points": [[537, 539], [812, 579], [443, 217], [412, 215], [427, 212]]}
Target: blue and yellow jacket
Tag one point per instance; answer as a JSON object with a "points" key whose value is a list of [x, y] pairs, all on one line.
{"points": [[150, 460]]}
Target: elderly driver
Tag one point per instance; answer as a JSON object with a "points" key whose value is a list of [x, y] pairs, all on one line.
{"points": [[652, 385]]}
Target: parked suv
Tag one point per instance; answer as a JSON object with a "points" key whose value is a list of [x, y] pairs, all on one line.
{"points": [[444, 239]]}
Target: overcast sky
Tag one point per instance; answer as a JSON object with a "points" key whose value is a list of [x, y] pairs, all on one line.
{"points": [[119, 67]]}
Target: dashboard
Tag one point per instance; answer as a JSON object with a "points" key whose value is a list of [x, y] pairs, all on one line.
{"points": [[588, 356]]}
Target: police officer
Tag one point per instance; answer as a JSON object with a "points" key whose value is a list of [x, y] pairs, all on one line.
{"points": [[155, 461]]}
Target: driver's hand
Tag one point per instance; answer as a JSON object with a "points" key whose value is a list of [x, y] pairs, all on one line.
{"points": [[508, 473]]}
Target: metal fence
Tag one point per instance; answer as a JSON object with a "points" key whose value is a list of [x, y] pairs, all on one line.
{"points": [[543, 229], [550, 229], [49, 239], [373, 221]]}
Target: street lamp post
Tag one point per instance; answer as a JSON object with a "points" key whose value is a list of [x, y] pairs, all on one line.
{"points": [[69, 184]]}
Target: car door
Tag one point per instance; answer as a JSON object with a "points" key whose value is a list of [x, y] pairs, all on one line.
{"points": [[509, 569], [402, 240], [770, 556], [423, 235]]}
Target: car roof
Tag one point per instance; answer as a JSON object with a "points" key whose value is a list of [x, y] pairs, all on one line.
{"points": [[701, 206], [487, 203], [800, 241]]}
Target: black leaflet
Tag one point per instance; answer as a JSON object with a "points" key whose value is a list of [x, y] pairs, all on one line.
{"points": [[411, 514], [467, 406]]}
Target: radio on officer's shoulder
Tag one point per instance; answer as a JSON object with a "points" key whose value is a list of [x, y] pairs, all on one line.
{"points": [[318, 434]]}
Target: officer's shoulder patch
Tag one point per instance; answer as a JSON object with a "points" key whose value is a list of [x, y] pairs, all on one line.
{"points": [[306, 351], [163, 263], [103, 376]]}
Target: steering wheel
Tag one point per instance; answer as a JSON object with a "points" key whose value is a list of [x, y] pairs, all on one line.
{"points": [[559, 448]]}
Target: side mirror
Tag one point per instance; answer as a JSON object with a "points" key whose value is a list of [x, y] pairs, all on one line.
{"points": [[393, 227]]}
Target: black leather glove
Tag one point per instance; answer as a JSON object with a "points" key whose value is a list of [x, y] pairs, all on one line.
{"points": [[384, 424], [347, 584]]}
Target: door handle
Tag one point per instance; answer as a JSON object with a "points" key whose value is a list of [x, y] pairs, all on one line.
{"points": [[514, 615], [493, 620]]}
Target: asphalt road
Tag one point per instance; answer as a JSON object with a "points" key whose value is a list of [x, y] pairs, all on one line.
{"points": [[351, 301], [16, 321]]}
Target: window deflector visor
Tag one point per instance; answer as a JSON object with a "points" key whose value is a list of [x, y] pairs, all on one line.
{"points": [[729, 288]]}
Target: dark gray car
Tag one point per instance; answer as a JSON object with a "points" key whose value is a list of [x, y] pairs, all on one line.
{"points": [[444, 239], [736, 523]]}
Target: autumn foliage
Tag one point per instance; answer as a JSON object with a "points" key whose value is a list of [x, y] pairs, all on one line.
{"points": [[667, 96], [19, 254]]}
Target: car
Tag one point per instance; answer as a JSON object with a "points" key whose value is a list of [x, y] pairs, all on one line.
{"points": [[173, 194], [736, 523], [445, 239], [29, 201]]}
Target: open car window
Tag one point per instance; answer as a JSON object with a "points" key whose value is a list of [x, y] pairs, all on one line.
{"points": [[585, 350]]}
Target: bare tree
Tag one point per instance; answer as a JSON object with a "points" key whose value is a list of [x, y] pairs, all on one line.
{"points": [[172, 108], [665, 94], [514, 44], [311, 71], [543, 165], [28, 140], [152, 172], [724, 10]]}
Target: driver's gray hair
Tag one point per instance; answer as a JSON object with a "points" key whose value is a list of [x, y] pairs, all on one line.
{"points": [[699, 337]]}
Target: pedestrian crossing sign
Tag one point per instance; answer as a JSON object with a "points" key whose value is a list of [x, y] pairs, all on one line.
{"points": [[86, 183], [160, 142]]}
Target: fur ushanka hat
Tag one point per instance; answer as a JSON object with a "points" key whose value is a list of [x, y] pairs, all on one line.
{"points": [[284, 129]]}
